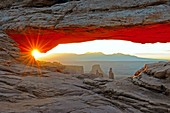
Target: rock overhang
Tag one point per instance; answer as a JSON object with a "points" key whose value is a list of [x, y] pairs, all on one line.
{"points": [[146, 21], [46, 39]]}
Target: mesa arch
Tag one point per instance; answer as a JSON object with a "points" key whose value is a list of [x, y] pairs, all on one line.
{"points": [[44, 27], [46, 39]]}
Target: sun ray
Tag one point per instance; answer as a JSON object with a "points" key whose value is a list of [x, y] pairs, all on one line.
{"points": [[30, 58]]}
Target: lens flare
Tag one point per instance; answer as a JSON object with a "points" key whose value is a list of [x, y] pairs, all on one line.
{"points": [[36, 53]]}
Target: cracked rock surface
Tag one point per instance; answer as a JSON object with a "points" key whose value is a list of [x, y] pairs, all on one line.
{"points": [[83, 13], [63, 93]]}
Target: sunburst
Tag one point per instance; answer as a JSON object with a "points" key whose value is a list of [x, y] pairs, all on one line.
{"points": [[36, 53], [30, 57]]}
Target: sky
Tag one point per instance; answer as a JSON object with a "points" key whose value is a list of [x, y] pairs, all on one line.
{"points": [[156, 50]]}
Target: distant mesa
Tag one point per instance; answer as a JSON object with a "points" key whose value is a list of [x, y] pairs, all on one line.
{"points": [[96, 70], [70, 69], [57, 67], [65, 57]]}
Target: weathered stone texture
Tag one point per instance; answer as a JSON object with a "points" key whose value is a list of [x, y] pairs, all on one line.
{"points": [[64, 93], [86, 13], [8, 48]]}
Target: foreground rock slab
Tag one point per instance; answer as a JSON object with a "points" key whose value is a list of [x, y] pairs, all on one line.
{"points": [[63, 93]]}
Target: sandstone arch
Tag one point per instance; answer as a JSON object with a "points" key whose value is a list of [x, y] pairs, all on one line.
{"points": [[146, 21]]}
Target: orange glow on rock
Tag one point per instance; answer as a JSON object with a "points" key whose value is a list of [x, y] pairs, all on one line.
{"points": [[46, 39]]}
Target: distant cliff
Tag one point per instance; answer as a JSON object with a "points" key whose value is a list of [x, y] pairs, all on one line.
{"points": [[61, 57], [73, 69], [57, 67]]}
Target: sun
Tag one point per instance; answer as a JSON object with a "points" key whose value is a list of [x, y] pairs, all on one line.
{"points": [[36, 53]]}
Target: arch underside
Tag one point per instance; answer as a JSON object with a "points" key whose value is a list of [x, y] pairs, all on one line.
{"points": [[46, 39]]}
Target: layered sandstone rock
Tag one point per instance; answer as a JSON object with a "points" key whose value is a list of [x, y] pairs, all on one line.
{"points": [[154, 77], [8, 49], [86, 13], [158, 70], [84, 20], [64, 93]]}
